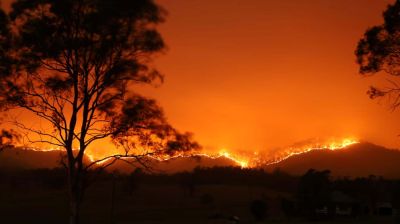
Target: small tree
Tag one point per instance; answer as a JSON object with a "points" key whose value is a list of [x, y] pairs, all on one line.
{"points": [[379, 51], [314, 191], [259, 210], [75, 65], [7, 139]]}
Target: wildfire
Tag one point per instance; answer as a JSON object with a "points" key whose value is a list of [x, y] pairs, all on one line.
{"points": [[292, 151], [255, 159], [222, 154], [245, 161]]}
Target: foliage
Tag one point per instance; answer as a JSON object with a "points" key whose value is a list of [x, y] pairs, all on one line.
{"points": [[314, 190], [379, 51], [259, 209], [7, 138], [76, 64]]}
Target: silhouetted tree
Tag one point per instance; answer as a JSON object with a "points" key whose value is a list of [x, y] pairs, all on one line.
{"points": [[314, 191], [207, 199], [189, 182], [75, 64], [7, 139], [131, 183], [288, 207], [379, 51], [259, 210]]}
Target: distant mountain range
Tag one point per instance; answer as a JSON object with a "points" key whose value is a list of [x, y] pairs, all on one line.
{"points": [[361, 159], [176, 165], [19, 158]]}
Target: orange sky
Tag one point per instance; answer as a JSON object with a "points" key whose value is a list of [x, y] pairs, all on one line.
{"points": [[259, 74]]}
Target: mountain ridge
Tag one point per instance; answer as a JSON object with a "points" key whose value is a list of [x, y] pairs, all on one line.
{"points": [[361, 159]]}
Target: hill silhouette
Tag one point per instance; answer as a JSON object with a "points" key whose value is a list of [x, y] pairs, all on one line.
{"points": [[19, 158], [28, 159], [176, 165], [357, 160], [361, 159]]}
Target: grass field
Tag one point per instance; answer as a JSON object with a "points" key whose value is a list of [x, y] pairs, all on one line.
{"points": [[147, 204]]}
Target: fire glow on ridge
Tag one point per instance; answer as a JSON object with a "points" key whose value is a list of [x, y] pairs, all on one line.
{"points": [[245, 161], [333, 145]]}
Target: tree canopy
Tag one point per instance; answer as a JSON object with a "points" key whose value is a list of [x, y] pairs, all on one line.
{"points": [[76, 64], [379, 51]]}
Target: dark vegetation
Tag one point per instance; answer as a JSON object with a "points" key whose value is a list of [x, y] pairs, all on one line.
{"points": [[378, 52], [7, 139], [206, 195], [76, 66]]}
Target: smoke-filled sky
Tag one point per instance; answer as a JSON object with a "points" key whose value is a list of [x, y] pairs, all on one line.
{"points": [[260, 74]]}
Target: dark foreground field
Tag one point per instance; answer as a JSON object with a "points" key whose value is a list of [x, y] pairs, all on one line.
{"points": [[148, 204], [30, 202]]}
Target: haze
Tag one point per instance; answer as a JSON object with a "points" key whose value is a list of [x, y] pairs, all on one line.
{"points": [[258, 74], [255, 75]]}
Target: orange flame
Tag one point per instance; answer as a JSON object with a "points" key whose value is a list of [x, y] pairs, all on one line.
{"points": [[244, 161], [327, 146]]}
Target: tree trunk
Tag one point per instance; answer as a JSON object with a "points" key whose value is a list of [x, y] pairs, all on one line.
{"points": [[74, 211], [112, 200], [75, 195]]}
